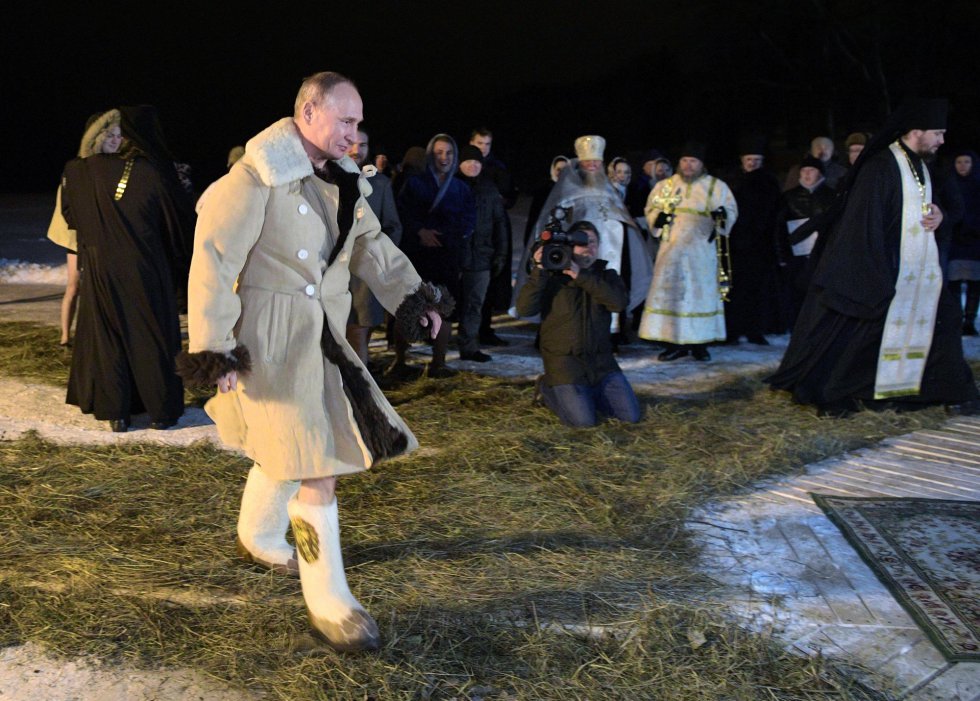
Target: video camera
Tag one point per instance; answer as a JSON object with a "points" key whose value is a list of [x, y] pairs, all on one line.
{"points": [[556, 244]]}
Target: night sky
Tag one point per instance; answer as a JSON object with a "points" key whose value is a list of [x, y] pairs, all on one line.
{"points": [[642, 74]]}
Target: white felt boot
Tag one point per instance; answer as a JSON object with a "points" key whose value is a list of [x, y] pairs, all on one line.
{"points": [[263, 520], [334, 612]]}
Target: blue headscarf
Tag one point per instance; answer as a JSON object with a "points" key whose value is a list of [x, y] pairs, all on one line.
{"points": [[430, 166]]}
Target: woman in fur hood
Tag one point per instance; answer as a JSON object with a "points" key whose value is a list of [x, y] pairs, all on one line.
{"points": [[102, 135]]}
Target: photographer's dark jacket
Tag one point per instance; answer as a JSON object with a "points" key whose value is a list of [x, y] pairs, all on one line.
{"points": [[575, 317]]}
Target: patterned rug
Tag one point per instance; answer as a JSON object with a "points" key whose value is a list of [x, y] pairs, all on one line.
{"points": [[927, 552]]}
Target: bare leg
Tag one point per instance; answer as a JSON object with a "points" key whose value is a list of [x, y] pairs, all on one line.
{"points": [[70, 300], [318, 491]]}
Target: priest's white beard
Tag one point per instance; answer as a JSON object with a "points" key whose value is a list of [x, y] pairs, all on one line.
{"points": [[595, 181]]}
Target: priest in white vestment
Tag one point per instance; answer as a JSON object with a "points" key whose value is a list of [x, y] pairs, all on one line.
{"points": [[687, 212]]}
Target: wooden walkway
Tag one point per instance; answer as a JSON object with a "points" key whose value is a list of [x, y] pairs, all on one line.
{"points": [[788, 569]]}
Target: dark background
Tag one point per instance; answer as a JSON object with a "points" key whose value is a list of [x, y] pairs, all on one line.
{"points": [[642, 74]]}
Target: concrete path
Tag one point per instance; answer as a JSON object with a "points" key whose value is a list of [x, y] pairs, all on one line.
{"points": [[789, 570]]}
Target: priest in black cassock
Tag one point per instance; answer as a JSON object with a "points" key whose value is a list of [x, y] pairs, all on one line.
{"points": [[751, 308], [878, 328], [135, 228]]}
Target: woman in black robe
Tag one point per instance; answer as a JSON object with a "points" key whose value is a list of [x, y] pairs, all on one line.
{"points": [[134, 227]]}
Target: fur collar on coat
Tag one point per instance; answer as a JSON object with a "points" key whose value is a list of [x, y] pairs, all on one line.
{"points": [[277, 155]]}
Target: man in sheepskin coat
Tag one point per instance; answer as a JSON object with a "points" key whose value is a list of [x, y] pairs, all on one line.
{"points": [[277, 241]]}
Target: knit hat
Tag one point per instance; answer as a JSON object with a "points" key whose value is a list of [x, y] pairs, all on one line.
{"points": [[590, 148], [812, 162], [470, 153], [855, 139], [752, 144], [651, 155], [694, 149]]}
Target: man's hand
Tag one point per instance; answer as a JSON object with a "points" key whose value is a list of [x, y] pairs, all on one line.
{"points": [[228, 382], [572, 270], [430, 238], [933, 219], [537, 256], [433, 321]]}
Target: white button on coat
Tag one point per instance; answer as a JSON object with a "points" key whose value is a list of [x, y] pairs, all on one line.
{"points": [[303, 209], [302, 254], [310, 290]]}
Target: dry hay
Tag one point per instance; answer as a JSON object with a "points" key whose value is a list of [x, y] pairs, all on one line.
{"points": [[513, 558]]}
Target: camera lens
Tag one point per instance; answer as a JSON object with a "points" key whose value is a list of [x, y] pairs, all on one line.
{"points": [[556, 257]]}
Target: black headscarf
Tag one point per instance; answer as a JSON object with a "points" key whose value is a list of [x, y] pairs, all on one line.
{"points": [[141, 126]]}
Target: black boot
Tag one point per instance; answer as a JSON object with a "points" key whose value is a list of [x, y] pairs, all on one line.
{"points": [[699, 352]]}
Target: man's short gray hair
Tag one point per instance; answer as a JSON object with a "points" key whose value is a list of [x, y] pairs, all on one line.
{"points": [[317, 87]]}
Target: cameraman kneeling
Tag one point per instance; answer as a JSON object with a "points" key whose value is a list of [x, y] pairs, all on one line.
{"points": [[581, 375]]}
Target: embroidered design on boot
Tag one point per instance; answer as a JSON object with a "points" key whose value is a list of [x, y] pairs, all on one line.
{"points": [[307, 541]]}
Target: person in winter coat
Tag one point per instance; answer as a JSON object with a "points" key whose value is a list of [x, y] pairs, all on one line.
{"points": [[366, 312], [276, 244], [483, 255], [134, 224], [964, 256], [438, 214], [797, 205], [102, 135], [581, 377]]}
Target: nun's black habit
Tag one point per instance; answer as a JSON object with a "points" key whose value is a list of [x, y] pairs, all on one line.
{"points": [[134, 232]]}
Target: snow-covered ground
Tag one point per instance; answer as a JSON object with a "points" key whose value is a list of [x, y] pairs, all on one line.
{"points": [[19, 272]]}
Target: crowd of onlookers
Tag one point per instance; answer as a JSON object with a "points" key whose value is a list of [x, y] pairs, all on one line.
{"points": [[446, 205]]}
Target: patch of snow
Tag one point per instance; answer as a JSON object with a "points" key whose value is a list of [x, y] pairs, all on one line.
{"points": [[21, 272]]}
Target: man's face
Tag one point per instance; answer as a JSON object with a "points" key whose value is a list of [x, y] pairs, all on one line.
{"points": [[443, 157], [559, 167], [809, 176], [822, 148], [381, 161], [482, 143], [853, 151], [963, 165], [591, 166], [751, 161], [585, 256], [331, 126], [471, 168], [622, 173], [690, 167], [926, 142], [359, 149], [661, 170]]}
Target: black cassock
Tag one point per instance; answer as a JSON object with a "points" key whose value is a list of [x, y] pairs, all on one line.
{"points": [[832, 357], [752, 309], [132, 252]]}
